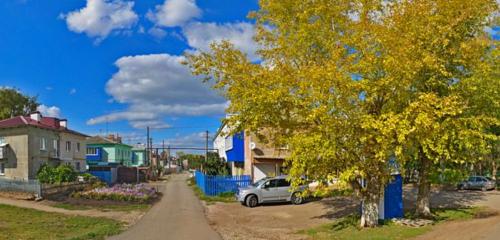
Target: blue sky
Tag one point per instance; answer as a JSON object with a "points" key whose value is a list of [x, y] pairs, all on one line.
{"points": [[98, 61]]}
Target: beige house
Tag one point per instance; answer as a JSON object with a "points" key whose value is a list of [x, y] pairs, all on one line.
{"points": [[246, 155], [28, 142]]}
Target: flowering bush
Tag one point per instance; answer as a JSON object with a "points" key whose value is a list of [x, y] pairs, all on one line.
{"points": [[120, 192]]}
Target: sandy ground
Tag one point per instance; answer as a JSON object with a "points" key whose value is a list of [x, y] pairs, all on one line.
{"points": [[485, 228], [282, 221], [128, 218], [275, 221]]}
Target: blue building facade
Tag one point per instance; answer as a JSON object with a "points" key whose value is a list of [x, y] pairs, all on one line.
{"points": [[236, 151]]}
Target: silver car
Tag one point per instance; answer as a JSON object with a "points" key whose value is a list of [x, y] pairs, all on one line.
{"points": [[275, 189], [477, 182]]}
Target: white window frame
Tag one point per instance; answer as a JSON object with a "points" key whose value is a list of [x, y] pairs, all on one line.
{"points": [[93, 151], [77, 147], [43, 144]]}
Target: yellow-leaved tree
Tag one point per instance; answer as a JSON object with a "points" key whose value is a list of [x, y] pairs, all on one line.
{"points": [[349, 84]]}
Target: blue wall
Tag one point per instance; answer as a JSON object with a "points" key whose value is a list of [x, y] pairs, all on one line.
{"points": [[393, 198], [97, 157], [105, 176], [237, 153]]}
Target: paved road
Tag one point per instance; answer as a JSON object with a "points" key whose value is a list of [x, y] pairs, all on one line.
{"points": [[178, 216]]}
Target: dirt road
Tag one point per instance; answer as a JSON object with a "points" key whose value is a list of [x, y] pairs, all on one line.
{"points": [[485, 228], [178, 216], [282, 221]]}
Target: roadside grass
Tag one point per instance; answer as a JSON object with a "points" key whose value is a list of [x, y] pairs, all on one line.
{"points": [[224, 197], [22, 223], [348, 227], [105, 207]]}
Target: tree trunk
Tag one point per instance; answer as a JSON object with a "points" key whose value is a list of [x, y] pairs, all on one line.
{"points": [[494, 169], [369, 214], [423, 209], [369, 206]]}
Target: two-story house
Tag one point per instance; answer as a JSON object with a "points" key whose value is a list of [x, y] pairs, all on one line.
{"points": [[28, 142], [108, 149], [249, 156]]}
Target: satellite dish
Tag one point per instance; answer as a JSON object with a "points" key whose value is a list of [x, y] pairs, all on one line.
{"points": [[253, 146]]}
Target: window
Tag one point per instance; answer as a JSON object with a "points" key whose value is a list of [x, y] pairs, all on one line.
{"points": [[68, 146], [77, 147], [91, 151], [2, 169], [283, 183], [228, 143], [55, 144], [43, 144], [77, 166], [271, 183]]}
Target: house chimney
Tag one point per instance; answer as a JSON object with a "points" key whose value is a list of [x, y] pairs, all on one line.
{"points": [[37, 116], [63, 123]]}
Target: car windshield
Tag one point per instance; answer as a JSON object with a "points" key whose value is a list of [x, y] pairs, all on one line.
{"points": [[255, 184]]}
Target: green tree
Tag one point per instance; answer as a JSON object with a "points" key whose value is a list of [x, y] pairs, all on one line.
{"points": [[349, 84], [14, 103]]}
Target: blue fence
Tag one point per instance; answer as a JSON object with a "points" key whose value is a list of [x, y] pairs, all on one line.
{"points": [[215, 185]]}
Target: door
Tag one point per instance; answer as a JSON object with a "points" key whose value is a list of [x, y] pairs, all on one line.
{"points": [[283, 189], [475, 183], [270, 191], [470, 183]]}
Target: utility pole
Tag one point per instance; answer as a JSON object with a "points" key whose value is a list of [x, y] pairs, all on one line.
{"points": [[147, 147], [206, 146], [168, 158]]}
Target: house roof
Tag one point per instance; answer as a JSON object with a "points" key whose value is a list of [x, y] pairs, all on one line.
{"points": [[103, 140], [48, 123]]}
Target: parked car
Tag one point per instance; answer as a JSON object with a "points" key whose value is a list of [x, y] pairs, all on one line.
{"points": [[275, 189], [477, 182]]}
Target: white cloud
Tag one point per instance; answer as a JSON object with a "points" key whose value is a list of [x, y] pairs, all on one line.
{"points": [[192, 140], [49, 111], [100, 17], [200, 35], [72, 91], [157, 32], [174, 13], [155, 86]]}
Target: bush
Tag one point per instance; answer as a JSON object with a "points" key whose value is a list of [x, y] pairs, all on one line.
{"points": [[60, 174]]}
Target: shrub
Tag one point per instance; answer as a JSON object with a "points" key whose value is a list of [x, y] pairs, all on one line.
{"points": [[60, 174]]}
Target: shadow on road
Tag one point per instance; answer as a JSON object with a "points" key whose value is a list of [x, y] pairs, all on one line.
{"points": [[443, 198], [344, 206]]}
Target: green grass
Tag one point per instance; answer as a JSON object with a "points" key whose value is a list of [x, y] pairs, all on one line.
{"points": [[22, 223], [105, 208], [348, 227], [224, 197]]}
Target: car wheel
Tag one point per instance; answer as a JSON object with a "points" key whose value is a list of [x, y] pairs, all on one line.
{"points": [[252, 201], [460, 187], [296, 198]]}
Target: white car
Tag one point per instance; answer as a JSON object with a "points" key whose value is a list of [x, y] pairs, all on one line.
{"points": [[275, 189]]}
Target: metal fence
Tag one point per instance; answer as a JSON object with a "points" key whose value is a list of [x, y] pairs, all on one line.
{"points": [[30, 186], [215, 185]]}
